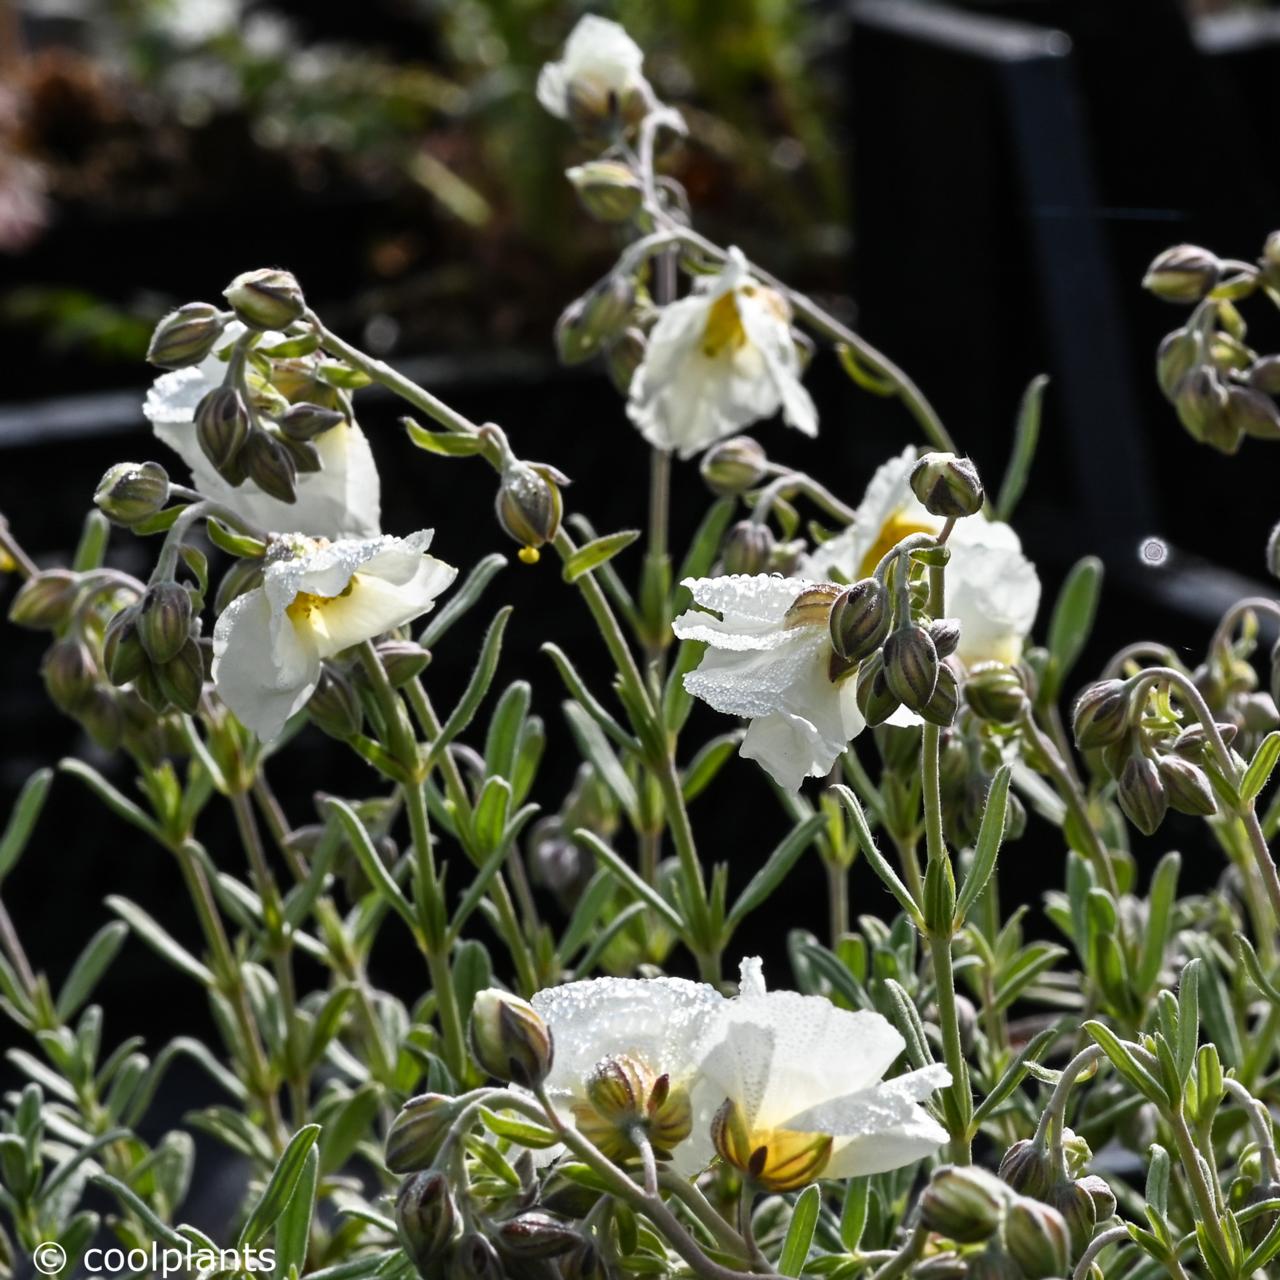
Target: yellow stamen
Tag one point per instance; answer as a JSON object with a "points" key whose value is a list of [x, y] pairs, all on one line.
{"points": [[529, 555], [724, 333], [304, 604], [895, 528]]}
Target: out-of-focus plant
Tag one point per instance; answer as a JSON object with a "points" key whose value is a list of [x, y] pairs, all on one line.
{"points": [[897, 1113]]}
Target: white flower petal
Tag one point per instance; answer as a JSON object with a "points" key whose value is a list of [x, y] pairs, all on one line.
{"points": [[750, 605], [598, 52], [993, 591]]}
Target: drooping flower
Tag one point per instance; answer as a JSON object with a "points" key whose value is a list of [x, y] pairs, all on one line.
{"points": [[316, 599], [992, 589], [799, 1089], [626, 1053], [769, 658], [717, 361], [598, 77], [342, 499]]}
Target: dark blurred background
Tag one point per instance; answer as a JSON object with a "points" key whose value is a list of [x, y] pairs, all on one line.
{"points": [[978, 187]]}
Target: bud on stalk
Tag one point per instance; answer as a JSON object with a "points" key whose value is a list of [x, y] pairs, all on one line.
{"points": [[529, 506], [1037, 1238], [69, 674], [1141, 793], [1101, 714], [132, 492], [1183, 274], [747, 549], [43, 602], [222, 426], [609, 190], [270, 466], [185, 336], [266, 299], [734, 465], [418, 1130], [164, 621], [334, 707], [860, 619], [946, 485], [509, 1039], [426, 1216], [911, 666], [963, 1203]]}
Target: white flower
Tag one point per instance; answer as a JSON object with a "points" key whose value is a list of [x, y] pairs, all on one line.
{"points": [[716, 361], [992, 589], [772, 669], [316, 599], [654, 1025], [601, 67], [342, 499], [803, 1080]]}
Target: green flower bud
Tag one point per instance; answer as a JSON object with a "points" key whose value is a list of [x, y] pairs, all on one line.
{"points": [[1099, 1191], [963, 1203], [1187, 786], [995, 692], [1101, 714], [1026, 1168], [132, 492], [608, 189], [876, 701], [1201, 403], [993, 1264], [1141, 794], [860, 619], [529, 506], [185, 336], [1185, 274], [122, 653], [509, 1040], [304, 422], [164, 621], [584, 1263], [426, 1216], [270, 466], [1257, 712], [911, 666], [418, 1130], [939, 896], [1078, 1211], [946, 485], [474, 1258], [747, 548], [537, 1235], [182, 678], [625, 354], [1253, 414], [734, 465], [43, 602], [69, 674], [222, 426], [941, 708], [1179, 353], [334, 707], [305, 456], [266, 299], [945, 634], [623, 1094], [1264, 375], [1037, 1238], [403, 660], [593, 320]]}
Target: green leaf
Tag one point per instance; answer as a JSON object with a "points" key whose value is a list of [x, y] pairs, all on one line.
{"points": [[1258, 773], [853, 1214], [586, 699], [159, 940], [990, 835], [703, 768], [119, 804], [157, 1228], [346, 1127], [517, 1129], [1025, 438], [89, 967], [775, 870], [477, 687], [804, 1220], [1122, 1058], [233, 543], [23, 818], [372, 866], [642, 890], [1188, 1019], [1014, 1073], [91, 550], [602, 758], [594, 554], [705, 545], [1072, 622], [449, 444], [462, 599], [1159, 924], [874, 857], [906, 1017], [284, 1181], [502, 742], [1249, 957]]}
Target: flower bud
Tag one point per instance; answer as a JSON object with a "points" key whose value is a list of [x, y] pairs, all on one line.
{"points": [[474, 1258], [1187, 786], [1078, 1211], [946, 485], [164, 621], [1037, 1238], [334, 707], [69, 674], [876, 701], [182, 677], [584, 1263], [266, 299], [102, 718], [1257, 711], [625, 354], [1201, 403], [1179, 353], [776, 1161], [608, 189], [1264, 375], [623, 1093], [941, 708], [1253, 414], [537, 1235], [1026, 1168], [270, 466], [402, 660], [1185, 273], [426, 1216], [304, 455], [734, 465], [418, 1130], [185, 336], [963, 1203], [1099, 1191], [860, 619], [995, 692], [747, 548], [132, 492], [222, 426], [1141, 793], [304, 422], [43, 602], [509, 1040], [529, 506], [1101, 714], [911, 666], [945, 634], [599, 316], [993, 1264]]}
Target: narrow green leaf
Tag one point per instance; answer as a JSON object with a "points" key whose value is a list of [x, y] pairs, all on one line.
{"points": [[23, 818], [705, 545], [346, 1127], [1249, 958], [1026, 436], [804, 1220], [1188, 1019], [703, 768], [160, 940], [517, 1129], [1124, 1061], [593, 554], [233, 543], [89, 967], [853, 1213], [586, 699], [874, 857], [157, 1228], [1072, 620], [990, 835], [775, 870], [1258, 773], [505, 724], [280, 1187], [449, 444], [91, 550], [372, 866], [906, 1017], [646, 892], [462, 599], [602, 758], [119, 804], [1155, 937], [477, 687], [1014, 1074]]}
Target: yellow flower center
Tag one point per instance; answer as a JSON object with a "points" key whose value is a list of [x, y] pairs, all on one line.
{"points": [[892, 532], [724, 333], [775, 1160], [304, 604]]}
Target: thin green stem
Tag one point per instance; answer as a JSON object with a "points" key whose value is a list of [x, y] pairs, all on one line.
{"points": [[838, 898], [1205, 1200]]}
